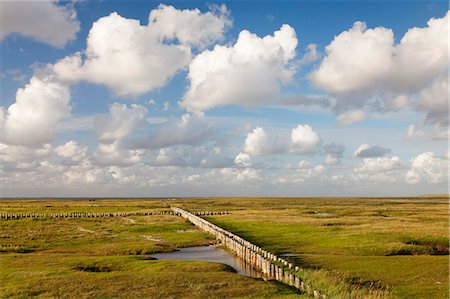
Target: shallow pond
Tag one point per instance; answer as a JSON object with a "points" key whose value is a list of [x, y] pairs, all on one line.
{"points": [[209, 254]]}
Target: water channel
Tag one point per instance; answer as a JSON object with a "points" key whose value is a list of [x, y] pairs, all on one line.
{"points": [[210, 254]]}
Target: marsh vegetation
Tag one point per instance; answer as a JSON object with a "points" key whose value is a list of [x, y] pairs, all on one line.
{"points": [[350, 247]]}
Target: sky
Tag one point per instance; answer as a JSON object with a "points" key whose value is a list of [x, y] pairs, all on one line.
{"points": [[234, 98]]}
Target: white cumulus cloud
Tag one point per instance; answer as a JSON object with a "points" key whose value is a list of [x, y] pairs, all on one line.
{"points": [[39, 106], [132, 59], [377, 170], [234, 176], [110, 154], [72, 152], [429, 168], [380, 164], [304, 140], [258, 142], [23, 157], [190, 27], [421, 55], [247, 73], [243, 160], [365, 67], [44, 20], [355, 59]]}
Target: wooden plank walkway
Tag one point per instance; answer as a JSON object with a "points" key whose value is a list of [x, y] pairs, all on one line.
{"points": [[271, 266]]}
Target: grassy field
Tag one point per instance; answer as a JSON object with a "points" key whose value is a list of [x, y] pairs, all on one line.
{"points": [[398, 245], [350, 248], [108, 257]]}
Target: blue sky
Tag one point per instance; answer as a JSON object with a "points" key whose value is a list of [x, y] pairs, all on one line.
{"points": [[255, 98]]}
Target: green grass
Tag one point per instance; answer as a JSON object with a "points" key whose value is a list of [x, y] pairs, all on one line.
{"points": [[412, 276], [348, 247], [64, 276], [379, 244], [108, 258], [101, 236]]}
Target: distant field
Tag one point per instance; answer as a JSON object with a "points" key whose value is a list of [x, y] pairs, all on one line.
{"points": [[349, 246]]}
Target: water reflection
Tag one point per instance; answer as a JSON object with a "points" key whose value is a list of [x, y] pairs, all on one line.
{"points": [[210, 254]]}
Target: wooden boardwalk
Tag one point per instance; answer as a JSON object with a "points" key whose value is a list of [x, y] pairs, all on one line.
{"points": [[271, 266]]}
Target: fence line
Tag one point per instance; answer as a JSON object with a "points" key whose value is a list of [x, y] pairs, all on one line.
{"points": [[98, 215], [270, 265]]}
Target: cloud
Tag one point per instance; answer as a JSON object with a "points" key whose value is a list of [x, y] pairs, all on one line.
{"points": [[368, 151], [304, 165], [250, 72], [434, 101], [44, 21], [187, 130], [108, 154], [22, 158], [399, 102], [39, 106], [312, 172], [350, 117], [435, 132], [310, 55], [355, 59], [233, 176], [120, 122], [304, 140], [258, 143], [179, 156], [380, 164], [140, 151], [421, 56], [428, 168], [307, 100], [190, 27], [72, 152], [414, 131], [112, 131], [76, 124], [121, 176], [88, 175], [376, 170], [334, 152], [190, 156], [242, 160], [302, 173], [132, 59], [122, 55], [15, 74], [364, 67]]}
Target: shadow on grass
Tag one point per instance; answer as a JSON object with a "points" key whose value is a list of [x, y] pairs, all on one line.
{"points": [[93, 268], [418, 247]]}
